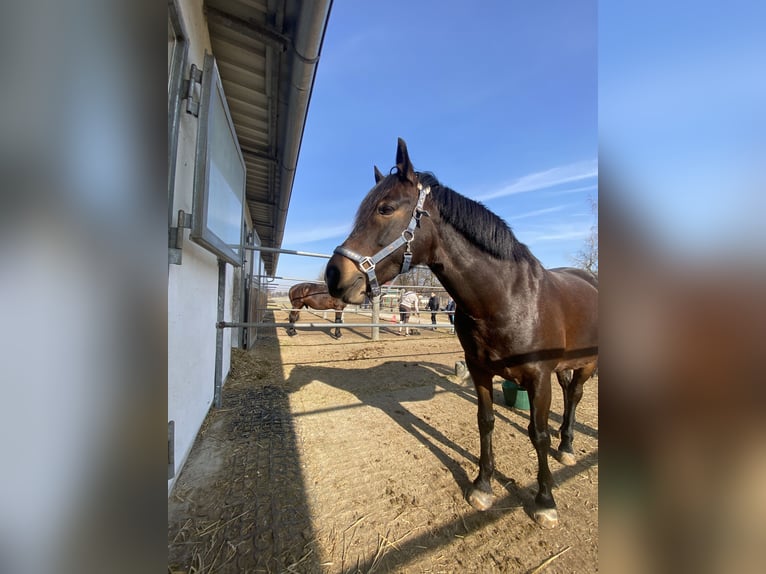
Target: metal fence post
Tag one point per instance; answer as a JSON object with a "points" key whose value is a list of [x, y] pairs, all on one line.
{"points": [[375, 317], [219, 334]]}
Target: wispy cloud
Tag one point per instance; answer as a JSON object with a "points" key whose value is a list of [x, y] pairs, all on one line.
{"points": [[537, 212], [561, 232], [564, 235], [317, 234], [574, 189], [548, 178]]}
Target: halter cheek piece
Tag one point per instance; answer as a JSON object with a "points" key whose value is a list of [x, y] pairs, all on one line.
{"points": [[367, 264]]}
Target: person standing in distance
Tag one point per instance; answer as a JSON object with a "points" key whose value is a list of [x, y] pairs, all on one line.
{"points": [[433, 306], [451, 316], [407, 304]]}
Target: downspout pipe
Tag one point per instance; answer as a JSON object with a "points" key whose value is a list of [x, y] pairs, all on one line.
{"points": [[306, 51]]}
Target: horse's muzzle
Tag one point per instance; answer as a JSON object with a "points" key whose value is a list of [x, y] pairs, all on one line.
{"points": [[344, 280]]}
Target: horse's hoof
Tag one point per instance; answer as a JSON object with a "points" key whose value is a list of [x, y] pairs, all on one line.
{"points": [[480, 500], [547, 517], [566, 458]]}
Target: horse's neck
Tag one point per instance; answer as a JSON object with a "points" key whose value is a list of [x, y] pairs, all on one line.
{"points": [[477, 281]]}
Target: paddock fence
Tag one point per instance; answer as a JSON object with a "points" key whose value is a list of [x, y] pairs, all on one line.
{"points": [[257, 304]]}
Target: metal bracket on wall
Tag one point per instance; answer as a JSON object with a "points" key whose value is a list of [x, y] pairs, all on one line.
{"points": [[176, 237], [192, 95], [171, 449]]}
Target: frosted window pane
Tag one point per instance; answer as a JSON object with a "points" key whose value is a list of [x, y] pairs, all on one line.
{"points": [[227, 178]]}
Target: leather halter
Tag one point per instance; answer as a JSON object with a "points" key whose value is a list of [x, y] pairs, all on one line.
{"points": [[367, 264]]}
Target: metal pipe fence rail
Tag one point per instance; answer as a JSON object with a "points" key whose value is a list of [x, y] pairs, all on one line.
{"points": [[286, 251], [318, 326], [349, 309]]}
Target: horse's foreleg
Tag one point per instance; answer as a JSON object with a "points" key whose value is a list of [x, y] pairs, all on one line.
{"points": [[338, 320], [539, 388], [571, 385], [294, 316], [480, 492]]}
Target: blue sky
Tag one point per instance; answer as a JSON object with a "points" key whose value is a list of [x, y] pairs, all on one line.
{"points": [[682, 118], [498, 99]]}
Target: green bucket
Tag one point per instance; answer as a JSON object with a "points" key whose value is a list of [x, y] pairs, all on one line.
{"points": [[515, 395]]}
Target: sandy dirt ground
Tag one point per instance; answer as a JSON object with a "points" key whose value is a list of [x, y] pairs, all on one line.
{"points": [[354, 455]]}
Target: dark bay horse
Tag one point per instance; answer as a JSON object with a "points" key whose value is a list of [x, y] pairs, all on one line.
{"points": [[315, 296], [514, 318]]}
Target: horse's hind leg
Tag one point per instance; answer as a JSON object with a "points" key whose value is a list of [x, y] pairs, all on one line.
{"points": [[539, 387], [338, 320], [571, 385], [480, 492], [565, 453]]}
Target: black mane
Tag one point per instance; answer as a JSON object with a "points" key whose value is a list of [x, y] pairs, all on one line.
{"points": [[470, 218], [478, 224]]}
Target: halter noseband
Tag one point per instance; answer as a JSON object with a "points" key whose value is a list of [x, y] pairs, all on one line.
{"points": [[367, 264]]}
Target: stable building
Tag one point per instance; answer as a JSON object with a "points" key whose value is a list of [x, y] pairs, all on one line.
{"points": [[240, 77]]}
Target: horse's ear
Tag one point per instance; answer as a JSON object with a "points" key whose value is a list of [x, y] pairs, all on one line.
{"points": [[378, 174], [403, 163]]}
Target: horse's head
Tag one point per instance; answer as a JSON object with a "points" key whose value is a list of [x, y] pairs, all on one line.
{"points": [[386, 239]]}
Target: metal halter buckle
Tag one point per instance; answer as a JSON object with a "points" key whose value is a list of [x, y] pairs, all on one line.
{"points": [[368, 262]]}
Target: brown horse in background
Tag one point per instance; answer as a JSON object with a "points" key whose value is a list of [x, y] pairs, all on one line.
{"points": [[514, 318], [316, 296]]}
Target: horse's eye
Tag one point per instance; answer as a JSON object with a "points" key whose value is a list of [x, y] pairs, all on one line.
{"points": [[386, 209]]}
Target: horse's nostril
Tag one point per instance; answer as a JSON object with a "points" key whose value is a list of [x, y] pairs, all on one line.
{"points": [[331, 276]]}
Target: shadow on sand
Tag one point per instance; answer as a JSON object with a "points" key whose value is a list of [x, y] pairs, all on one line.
{"points": [[240, 503]]}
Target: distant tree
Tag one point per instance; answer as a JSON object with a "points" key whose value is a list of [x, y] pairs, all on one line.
{"points": [[419, 276], [587, 257]]}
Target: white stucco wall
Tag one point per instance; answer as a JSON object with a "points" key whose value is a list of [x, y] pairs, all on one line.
{"points": [[193, 285]]}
